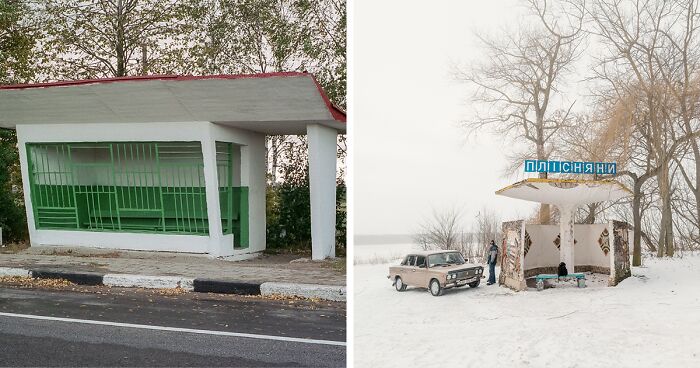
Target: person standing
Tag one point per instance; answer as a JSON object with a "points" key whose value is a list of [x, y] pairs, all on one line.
{"points": [[492, 257]]}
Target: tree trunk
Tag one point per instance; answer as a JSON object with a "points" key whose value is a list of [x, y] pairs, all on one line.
{"points": [[590, 218], [666, 233], [274, 146], [545, 212], [144, 59], [544, 215], [696, 191], [119, 47], [637, 224]]}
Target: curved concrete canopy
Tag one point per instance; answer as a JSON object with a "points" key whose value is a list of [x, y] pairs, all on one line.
{"points": [[273, 103], [565, 192]]}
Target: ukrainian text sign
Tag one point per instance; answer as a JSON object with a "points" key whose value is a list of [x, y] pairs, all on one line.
{"points": [[571, 167]]}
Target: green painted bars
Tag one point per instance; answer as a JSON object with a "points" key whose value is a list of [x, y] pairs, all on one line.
{"points": [[155, 187], [233, 199]]}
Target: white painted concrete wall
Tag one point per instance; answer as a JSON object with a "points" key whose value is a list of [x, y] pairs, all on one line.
{"points": [[591, 254], [322, 166], [252, 169], [252, 175], [544, 253]]}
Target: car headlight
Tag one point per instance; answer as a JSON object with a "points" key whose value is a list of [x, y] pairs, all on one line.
{"points": [[454, 276]]}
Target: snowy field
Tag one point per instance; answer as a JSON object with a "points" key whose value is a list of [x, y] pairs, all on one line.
{"points": [[652, 319], [365, 254]]}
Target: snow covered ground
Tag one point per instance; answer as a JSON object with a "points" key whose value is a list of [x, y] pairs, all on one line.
{"points": [[650, 320]]}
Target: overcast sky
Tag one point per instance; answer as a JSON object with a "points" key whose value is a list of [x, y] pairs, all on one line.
{"points": [[410, 156]]}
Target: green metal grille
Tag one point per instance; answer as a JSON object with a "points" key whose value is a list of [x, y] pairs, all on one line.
{"points": [[233, 198], [133, 187]]}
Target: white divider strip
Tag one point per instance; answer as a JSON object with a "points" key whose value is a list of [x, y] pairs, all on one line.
{"points": [[176, 329]]}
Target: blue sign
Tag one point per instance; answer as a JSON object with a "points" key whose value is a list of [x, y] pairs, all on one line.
{"points": [[571, 167]]}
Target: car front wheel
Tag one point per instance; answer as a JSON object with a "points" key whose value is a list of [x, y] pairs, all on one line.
{"points": [[474, 284], [435, 287], [400, 286]]}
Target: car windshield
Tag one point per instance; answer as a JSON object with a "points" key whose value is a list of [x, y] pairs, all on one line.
{"points": [[445, 259]]}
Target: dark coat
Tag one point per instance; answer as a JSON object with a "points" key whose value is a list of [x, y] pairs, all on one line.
{"points": [[562, 269], [492, 256]]}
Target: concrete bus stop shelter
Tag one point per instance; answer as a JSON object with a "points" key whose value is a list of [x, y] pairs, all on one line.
{"points": [[168, 163], [530, 249]]}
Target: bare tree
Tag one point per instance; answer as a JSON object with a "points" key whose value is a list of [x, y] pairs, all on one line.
{"points": [[441, 231], [592, 139], [520, 83], [642, 68], [488, 227]]}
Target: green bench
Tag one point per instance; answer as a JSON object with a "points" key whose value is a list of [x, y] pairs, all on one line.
{"points": [[579, 277]]}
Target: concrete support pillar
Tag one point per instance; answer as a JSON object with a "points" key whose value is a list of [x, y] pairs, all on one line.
{"points": [[216, 247], [566, 232], [322, 165]]}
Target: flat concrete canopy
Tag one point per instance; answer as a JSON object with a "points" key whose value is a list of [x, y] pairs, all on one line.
{"points": [[272, 103], [567, 192]]}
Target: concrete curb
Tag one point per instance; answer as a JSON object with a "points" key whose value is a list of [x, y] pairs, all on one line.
{"points": [[226, 287], [148, 282], [201, 285], [9, 271], [326, 292], [80, 278]]}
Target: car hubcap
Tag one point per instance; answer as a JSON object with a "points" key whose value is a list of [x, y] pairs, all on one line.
{"points": [[398, 283], [435, 287]]}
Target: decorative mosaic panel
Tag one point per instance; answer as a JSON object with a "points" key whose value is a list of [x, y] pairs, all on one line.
{"points": [[511, 248], [604, 241], [528, 242], [622, 252]]}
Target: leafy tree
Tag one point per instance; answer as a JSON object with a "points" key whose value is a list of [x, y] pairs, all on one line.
{"points": [[17, 39], [13, 219], [262, 36], [113, 38]]}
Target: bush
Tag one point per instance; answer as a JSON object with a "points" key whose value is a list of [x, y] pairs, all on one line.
{"points": [[13, 218], [289, 217]]}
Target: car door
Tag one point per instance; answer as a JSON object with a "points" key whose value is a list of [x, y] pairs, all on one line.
{"points": [[420, 272], [408, 273], [401, 269]]}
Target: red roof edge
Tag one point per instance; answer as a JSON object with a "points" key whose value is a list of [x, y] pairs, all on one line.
{"points": [[336, 112], [152, 77]]}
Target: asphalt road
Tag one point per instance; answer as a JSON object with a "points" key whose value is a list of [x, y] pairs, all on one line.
{"points": [[282, 333]]}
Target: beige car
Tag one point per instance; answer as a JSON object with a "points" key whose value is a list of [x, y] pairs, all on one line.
{"points": [[435, 270]]}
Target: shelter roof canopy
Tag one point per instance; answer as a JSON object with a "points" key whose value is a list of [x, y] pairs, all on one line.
{"points": [[272, 103], [565, 191]]}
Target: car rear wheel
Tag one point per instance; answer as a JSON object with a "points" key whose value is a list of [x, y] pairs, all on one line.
{"points": [[474, 284], [435, 287], [400, 286]]}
